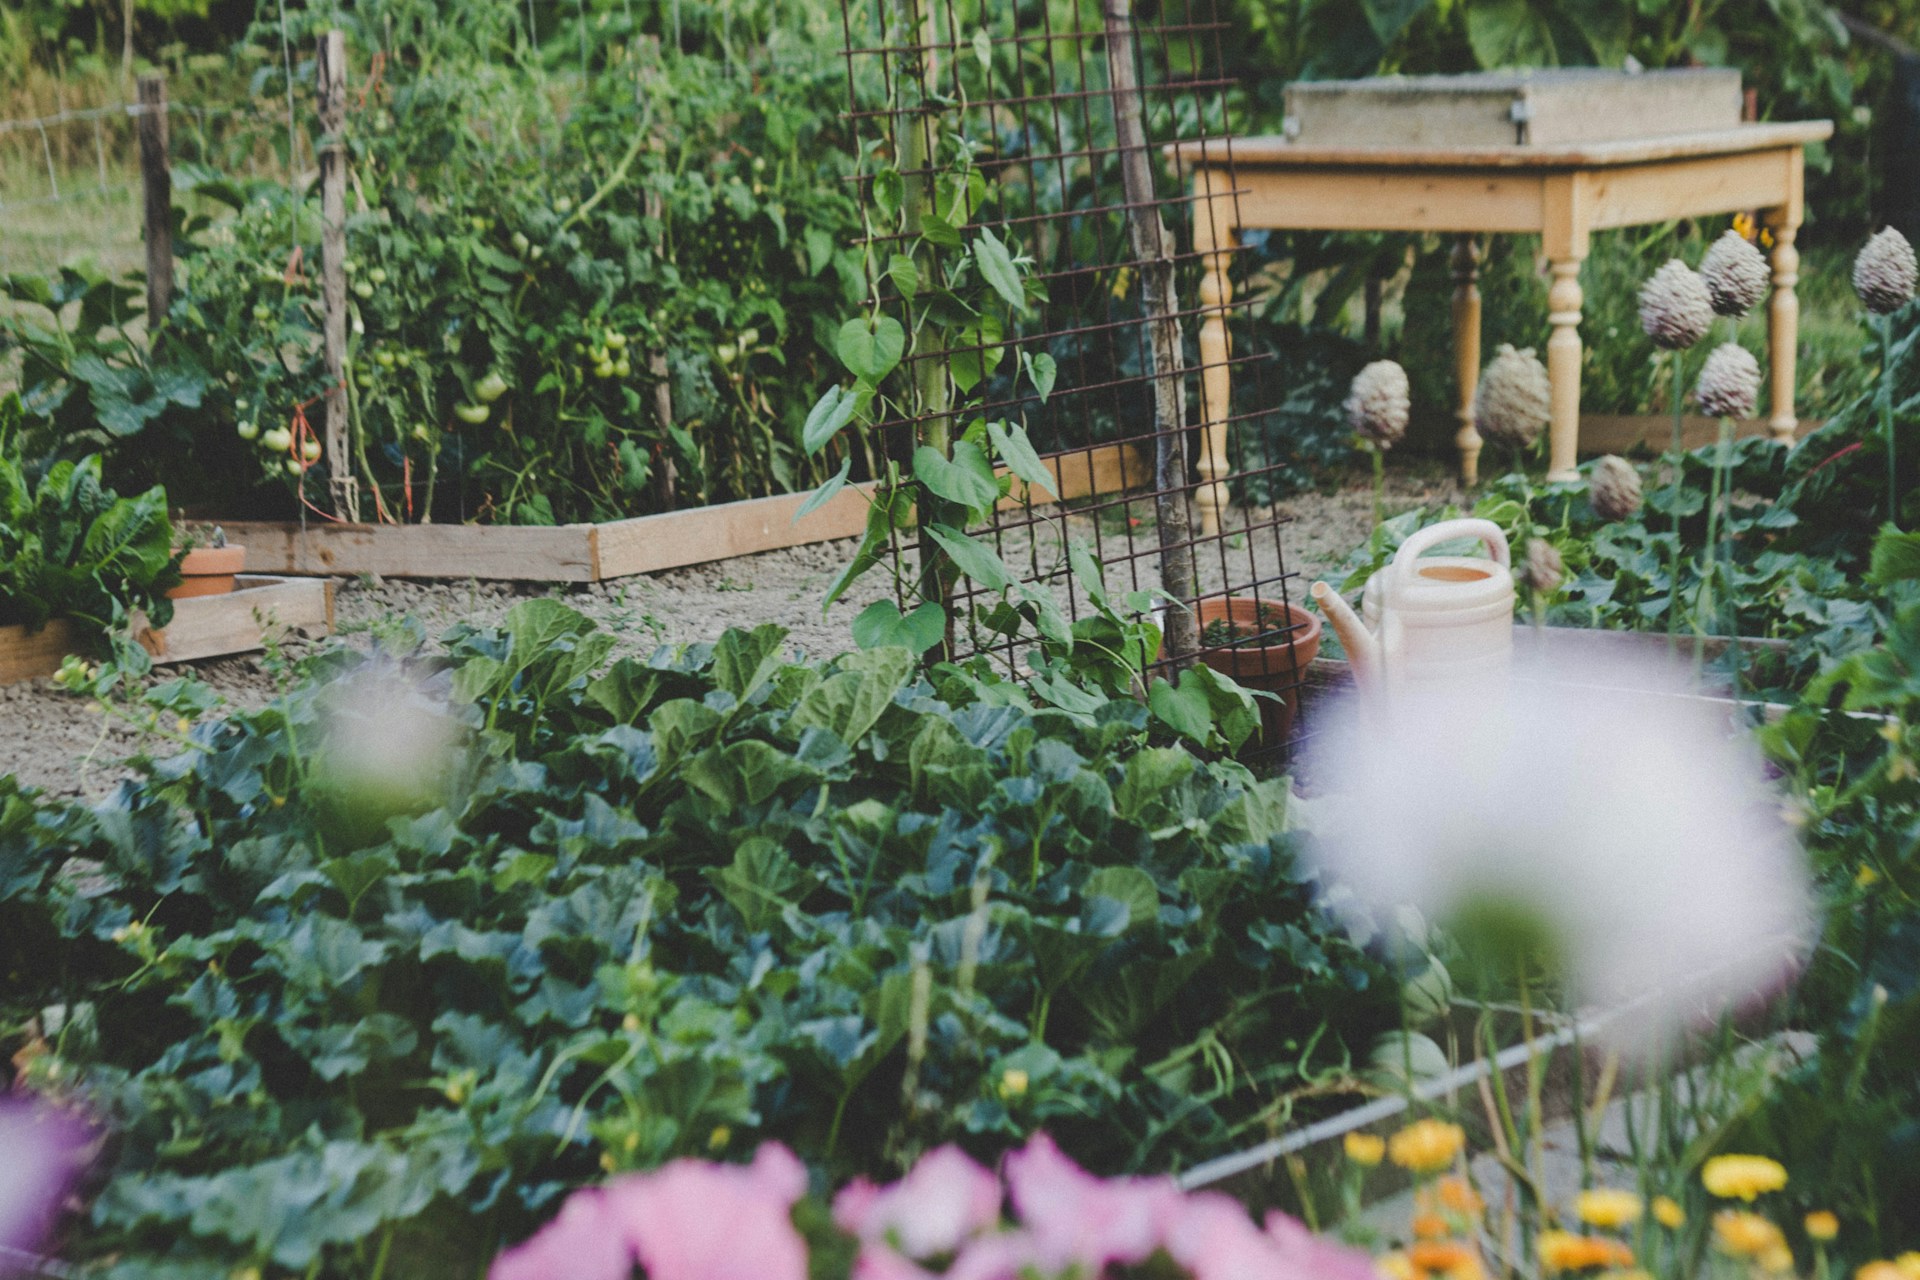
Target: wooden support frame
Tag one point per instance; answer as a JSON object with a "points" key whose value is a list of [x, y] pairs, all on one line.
{"points": [[261, 608], [623, 548]]}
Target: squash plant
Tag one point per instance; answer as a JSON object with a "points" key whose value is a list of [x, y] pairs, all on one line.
{"points": [[628, 911]]}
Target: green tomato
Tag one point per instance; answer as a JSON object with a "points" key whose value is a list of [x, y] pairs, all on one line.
{"points": [[472, 414], [378, 275], [604, 369], [563, 205], [477, 224], [310, 450], [404, 359], [491, 387], [599, 355], [422, 432], [520, 242], [616, 339], [262, 313], [247, 429], [278, 440], [294, 466], [622, 367], [349, 266], [384, 359], [363, 290]]}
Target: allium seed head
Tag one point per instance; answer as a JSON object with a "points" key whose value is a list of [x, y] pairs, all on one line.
{"points": [[1379, 401], [1729, 384], [1613, 487], [1514, 398], [1883, 274], [1736, 274], [1544, 568], [1675, 308]]}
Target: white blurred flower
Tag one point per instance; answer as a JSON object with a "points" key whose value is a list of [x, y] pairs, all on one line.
{"points": [[43, 1149], [1628, 822], [387, 746]]}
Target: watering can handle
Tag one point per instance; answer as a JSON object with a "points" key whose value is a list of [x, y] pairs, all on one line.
{"points": [[1446, 531]]}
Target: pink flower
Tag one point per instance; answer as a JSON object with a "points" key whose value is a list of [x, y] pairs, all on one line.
{"points": [[691, 1220], [583, 1242], [43, 1150], [1212, 1238], [1075, 1217], [943, 1200], [1006, 1255], [1316, 1256]]}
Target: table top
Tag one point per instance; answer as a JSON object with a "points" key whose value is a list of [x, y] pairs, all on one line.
{"points": [[1273, 151]]}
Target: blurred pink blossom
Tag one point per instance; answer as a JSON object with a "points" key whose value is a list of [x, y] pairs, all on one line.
{"points": [[1077, 1218], [583, 1243], [43, 1150], [944, 1199]]}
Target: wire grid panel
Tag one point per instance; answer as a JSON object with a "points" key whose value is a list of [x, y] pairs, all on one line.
{"points": [[1029, 89]]}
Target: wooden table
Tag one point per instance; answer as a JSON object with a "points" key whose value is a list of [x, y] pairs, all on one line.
{"points": [[1561, 194]]}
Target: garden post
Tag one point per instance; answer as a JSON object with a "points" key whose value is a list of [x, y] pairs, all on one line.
{"points": [[1148, 235], [332, 76], [1465, 262], [156, 182], [1565, 226], [1783, 310]]}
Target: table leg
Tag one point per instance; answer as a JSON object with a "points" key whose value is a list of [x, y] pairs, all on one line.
{"points": [[1783, 325], [1465, 262], [1563, 369], [1216, 393]]}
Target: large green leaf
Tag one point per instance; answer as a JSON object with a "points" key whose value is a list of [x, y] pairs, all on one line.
{"points": [[965, 479], [871, 349]]}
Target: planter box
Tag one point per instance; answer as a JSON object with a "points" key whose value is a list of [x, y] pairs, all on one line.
{"points": [[619, 548], [202, 626], [1568, 107]]}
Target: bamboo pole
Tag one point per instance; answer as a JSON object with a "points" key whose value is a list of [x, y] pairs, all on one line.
{"points": [[156, 183], [342, 484]]}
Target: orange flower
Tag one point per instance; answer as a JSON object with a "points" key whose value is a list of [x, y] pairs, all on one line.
{"points": [[1564, 1251], [1448, 1258], [1429, 1226], [1822, 1225], [1879, 1270], [1458, 1197], [1396, 1266], [1365, 1149], [1746, 1235]]}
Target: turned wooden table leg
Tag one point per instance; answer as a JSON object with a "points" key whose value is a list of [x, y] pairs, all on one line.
{"points": [[1563, 369], [1216, 392], [1783, 327], [1466, 351]]}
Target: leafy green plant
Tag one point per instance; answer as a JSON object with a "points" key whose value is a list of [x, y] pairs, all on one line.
{"points": [[640, 909], [73, 549]]}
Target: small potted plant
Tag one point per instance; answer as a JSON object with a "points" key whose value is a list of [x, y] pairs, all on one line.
{"points": [[1264, 645], [208, 570]]}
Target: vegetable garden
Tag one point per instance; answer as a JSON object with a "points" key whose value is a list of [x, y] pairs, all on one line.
{"points": [[1084, 910]]}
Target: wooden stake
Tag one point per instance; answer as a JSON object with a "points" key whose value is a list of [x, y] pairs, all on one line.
{"points": [[156, 181], [1151, 249], [345, 489]]}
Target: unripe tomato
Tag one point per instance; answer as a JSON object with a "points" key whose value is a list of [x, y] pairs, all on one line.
{"points": [[262, 313], [491, 387], [604, 369], [310, 450], [421, 432], [294, 466], [616, 339], [278, 440], [622, 367], [473, 414], [520, 242], [384, 359], [378, 275], [563, 205], [363, 290], [247, 429], [599, 355]]}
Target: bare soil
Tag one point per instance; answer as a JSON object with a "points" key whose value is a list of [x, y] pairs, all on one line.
{"points": [[66, 745]]}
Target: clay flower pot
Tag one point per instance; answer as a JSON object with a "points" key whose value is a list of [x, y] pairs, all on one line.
{"points": [[1269, 647], [209, 571]]}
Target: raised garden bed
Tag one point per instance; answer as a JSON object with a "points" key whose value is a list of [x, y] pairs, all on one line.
{"points": [[619, 548], [261, 608]]}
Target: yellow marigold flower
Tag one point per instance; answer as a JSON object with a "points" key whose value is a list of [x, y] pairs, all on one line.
{"points": [[1458, 1197], [1365, 1148], [1609, 1208], [1822, 1225], [1778, 1260], [1629, 1273], [1564, 1251], [1426, 1146], [1866, 878], [1879, 1270], [1668, 1213], [1396, 1266], [1746, 1235], [1430, 1226], [1743, 1177]]}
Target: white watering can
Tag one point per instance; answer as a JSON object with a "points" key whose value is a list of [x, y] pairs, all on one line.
{"points": [[1431, 620]]}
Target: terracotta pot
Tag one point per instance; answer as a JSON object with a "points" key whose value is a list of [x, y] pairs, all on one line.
{"points": [[209, 571], [1279, 642]]}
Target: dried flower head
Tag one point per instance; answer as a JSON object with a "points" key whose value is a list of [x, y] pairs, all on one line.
{"points": [[1729, 384], [1514, 398], [1613, 487], [1883, 273], [1544, 568], [1675, 308], [1379, 401], [1736, 274]]}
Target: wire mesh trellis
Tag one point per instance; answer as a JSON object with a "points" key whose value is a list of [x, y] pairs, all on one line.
{"points": [[1065, 108]]}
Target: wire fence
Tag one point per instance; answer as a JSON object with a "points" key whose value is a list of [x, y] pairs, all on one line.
{"points": [[1068, 108]]}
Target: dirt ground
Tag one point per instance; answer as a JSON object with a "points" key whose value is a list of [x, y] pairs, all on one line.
{"points": [[54, 740]]}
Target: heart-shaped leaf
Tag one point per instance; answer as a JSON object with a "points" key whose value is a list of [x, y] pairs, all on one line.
{"points": [[871, 349]]}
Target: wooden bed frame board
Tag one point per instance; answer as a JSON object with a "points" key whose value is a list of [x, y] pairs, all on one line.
{"points": [[621, 548]]}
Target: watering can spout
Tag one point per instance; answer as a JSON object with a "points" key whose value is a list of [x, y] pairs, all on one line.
{"points": [[1363, 650]]}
